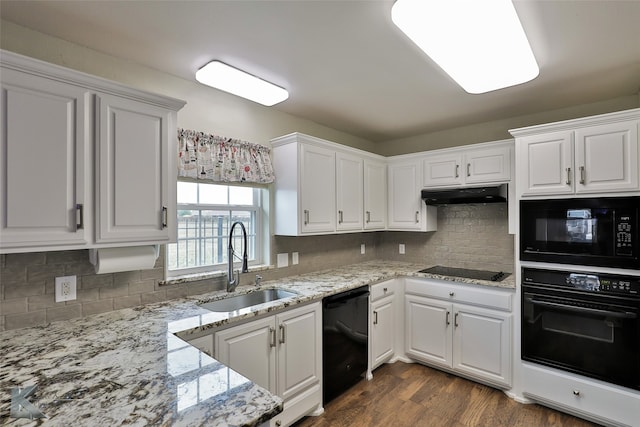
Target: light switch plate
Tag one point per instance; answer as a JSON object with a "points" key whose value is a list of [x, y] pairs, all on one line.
{"points": [[362, 249], [294, 258], [401, 248], [283, 260]]}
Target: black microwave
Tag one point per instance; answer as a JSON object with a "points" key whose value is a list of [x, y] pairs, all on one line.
{"points": [[598, 231]]}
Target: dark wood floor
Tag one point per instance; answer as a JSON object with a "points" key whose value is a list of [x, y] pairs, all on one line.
{"points": [[413, 395]]}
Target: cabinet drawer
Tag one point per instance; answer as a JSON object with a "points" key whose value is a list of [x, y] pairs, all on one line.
{"points": [[457, 292], [589, 399], [381, 290]]}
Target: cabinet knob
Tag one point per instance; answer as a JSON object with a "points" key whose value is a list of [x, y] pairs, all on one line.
{"points": [[451, 293], [576, 392], [385, 289], [278, 423]]}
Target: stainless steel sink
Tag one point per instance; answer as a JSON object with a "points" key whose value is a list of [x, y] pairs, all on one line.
{"points": [[238, 302]]}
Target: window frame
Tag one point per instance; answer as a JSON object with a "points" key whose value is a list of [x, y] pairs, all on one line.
{"points": [[256, 210]]}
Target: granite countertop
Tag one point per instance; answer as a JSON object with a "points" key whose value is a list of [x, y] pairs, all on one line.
{"points": [[130, 367]]}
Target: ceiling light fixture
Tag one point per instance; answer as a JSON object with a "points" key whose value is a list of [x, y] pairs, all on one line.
{"points": [[232, 80], [480, 44]]}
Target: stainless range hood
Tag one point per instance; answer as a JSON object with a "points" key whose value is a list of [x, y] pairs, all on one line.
{"points": [[493, 194]]}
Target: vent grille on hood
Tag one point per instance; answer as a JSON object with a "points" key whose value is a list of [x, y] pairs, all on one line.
{"points": [[493, 194]]}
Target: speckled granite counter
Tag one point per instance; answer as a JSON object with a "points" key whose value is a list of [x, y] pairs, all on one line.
{"points": [[127, 367]]}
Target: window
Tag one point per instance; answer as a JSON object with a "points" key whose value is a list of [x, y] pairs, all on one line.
{"points": [[206, 213]]}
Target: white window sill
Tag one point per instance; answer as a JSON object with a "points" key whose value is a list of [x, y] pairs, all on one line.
{"points": [[194, 277]]}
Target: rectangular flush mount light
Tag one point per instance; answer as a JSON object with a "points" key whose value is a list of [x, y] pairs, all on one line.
{"points": [[237, 82], [479, 43]]}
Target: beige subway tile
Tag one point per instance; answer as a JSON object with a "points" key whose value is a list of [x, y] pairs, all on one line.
{"points": [[65, 312], [79, 269], [152, 297], [155, 273], [44, 272], [141, 287], [97, 281], [177, 291], [126, 277], [40, 302], [114, 291], [25, 320], [96, 307], [23, 290], [199, 288], [13, 274], [2, 328], [67, 257], [126, 302], [31, 258], [13, 306], [86, 295]]}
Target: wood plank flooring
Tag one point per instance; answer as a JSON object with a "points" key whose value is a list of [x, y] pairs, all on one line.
{"points": [[413, 395]]}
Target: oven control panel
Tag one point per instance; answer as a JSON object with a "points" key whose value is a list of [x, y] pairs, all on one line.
{"points": [[589, 282]]}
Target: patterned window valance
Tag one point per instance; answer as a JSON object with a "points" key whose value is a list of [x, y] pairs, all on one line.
{"points": [[218, 159]]}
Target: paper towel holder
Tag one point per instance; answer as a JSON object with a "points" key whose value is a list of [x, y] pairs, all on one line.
{"points": [[93, 255]]}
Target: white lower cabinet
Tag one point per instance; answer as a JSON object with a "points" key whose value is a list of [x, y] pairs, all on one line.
{"points": [[283, 354], [382, 323], [604, 403], [471, 340]]}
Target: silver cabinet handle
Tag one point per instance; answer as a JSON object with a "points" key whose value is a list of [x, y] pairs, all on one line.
{"points": [[306, 217], [455, 320], [447, 319], [368, 217], [164, 217], [340, 219], [282, 337], [457, 171], [375, 317], [79, 217], [568, 176], [272, 332], [468, 169], [417, 217], [582, 175]]}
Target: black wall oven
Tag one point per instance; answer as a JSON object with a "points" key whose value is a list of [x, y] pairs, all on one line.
{"points": [[586, 323], [602, 231]]}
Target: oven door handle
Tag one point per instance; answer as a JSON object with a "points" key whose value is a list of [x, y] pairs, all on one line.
{"points": [[617, 314]]}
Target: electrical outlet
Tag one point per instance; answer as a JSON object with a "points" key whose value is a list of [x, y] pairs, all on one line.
{"points": [[294, 258], [362, 249], [401, 248], [65, 288]]}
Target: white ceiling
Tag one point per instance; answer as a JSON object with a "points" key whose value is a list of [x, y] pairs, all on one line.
{"points": [[345, 64]]}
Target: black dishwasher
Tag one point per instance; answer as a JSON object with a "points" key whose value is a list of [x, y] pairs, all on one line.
{"points": [[345, 326]]}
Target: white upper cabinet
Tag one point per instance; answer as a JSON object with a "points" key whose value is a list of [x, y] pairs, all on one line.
{"points": [[452, 167], [43, 162], [349, 191], [591, 155], [132, 202], [406, 210], [375, 195], [607, 157], [73, 176], [322, 187]]}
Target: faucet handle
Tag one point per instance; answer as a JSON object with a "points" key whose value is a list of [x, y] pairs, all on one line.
{"points": [[258, 279]]}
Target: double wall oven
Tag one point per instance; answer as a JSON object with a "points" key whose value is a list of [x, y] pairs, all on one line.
{"points": [[582, 319]]}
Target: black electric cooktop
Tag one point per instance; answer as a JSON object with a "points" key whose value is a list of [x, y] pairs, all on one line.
{"points": [[494, 276]]}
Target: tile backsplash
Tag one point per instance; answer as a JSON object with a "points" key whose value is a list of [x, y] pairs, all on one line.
{"points": [[470, 236]]}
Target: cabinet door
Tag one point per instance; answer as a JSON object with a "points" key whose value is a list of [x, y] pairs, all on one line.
{"points": [[250, 349], [487, 165], [375, 195], [44, 134], [428, 332], [405, 204], [317, 189], [607, 158], [299, 349], [349, 191], [382, 328], [482, 344], [132, 176], [547, 164], [442, 170]]}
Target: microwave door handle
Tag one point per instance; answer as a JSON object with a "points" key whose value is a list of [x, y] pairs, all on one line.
{"points": [[609, 313]]}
